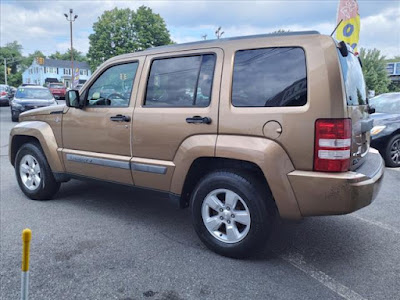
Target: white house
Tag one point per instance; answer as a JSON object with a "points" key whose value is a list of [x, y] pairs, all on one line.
{"points": [[55, 70]]}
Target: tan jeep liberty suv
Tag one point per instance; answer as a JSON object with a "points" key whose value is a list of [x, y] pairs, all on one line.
{"points": [[238, 129]]}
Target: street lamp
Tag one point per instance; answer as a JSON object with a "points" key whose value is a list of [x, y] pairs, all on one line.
{"points": [[70, 20]]}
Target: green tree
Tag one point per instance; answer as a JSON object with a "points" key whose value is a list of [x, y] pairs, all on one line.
{"points": [[121, 31], [12, 53], [27, 61], [374, 69], [78, 56]]}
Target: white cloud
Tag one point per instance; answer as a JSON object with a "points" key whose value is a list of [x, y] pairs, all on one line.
{"points": [[40, 25]]}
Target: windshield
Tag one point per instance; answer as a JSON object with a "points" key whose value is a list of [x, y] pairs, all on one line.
{"points": [[29, 93], [56, 85], [386, 103], [356, 92]]}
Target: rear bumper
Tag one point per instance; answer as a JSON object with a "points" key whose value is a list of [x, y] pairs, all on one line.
{"points": [[319, 193]]}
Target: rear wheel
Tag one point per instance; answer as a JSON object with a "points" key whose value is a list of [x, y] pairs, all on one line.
{"points": [[392, 152], [231, 213], [34, 175]]}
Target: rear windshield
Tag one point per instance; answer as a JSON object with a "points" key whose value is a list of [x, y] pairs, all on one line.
{"points": [[356, 92], [56, 85], [29, 93]]}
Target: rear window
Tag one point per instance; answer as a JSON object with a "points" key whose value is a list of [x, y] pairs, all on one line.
{"points": [[356, 91], [271, 77], [56, 85]]}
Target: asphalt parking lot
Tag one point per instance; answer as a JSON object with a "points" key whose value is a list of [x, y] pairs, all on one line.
{"points": [[97, 241]]}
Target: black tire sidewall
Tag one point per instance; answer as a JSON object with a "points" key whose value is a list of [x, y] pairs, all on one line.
{"points": [[47, 186], [254, 197], [388, 157]]}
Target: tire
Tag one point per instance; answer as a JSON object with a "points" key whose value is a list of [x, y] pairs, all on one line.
{"points": [[14, 118], [234, 239], [38, 182], [392, 152]]}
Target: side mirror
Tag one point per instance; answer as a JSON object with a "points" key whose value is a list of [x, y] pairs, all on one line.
{"points": [[371, 109], [72, 99]]}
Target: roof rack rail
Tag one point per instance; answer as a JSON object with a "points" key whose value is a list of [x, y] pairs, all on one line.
{"points": [[289, 33]]}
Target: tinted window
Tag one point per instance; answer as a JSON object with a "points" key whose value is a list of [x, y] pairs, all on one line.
{"points": [[356, 91], [181, 81], [29, 93], [113, 87], [269, 77]]}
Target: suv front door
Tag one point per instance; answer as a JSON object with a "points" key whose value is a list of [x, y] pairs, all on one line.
{"points": [[97, 138]]}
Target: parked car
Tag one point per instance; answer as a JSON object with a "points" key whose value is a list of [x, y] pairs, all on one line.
{"points": [[58, 90], [5, 95], [386, 131], [30, 97], [238, 129]]}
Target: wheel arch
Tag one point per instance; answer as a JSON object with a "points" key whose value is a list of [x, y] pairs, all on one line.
{"points": [[37, 132], [265, 157]]}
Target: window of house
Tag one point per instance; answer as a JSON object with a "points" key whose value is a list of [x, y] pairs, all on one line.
{"points": [[113, 87], [181, 81], [269, 77]]}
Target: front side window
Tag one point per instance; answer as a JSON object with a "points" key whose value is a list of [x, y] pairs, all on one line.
{"points": [[269, 77], [181, 81], [113, 87]]}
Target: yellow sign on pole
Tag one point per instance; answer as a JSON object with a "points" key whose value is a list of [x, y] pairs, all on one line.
{"points": [[349, 19]]}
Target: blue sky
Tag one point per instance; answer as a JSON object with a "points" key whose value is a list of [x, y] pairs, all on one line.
{"points": [[40, 25]]}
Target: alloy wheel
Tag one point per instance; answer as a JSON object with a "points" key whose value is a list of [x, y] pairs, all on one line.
{"points": [[30, 173], [395, 151], [226, 216]]}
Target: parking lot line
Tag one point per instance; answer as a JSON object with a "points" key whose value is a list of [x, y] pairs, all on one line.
{"points": [[377, 223], [297, 260]]}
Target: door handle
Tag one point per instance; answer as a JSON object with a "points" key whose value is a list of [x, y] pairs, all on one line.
{"points": [[120, 118], [198, 120]]}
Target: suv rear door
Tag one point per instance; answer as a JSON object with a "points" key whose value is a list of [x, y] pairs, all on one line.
{"points": [[177, 103], [357, 107]]}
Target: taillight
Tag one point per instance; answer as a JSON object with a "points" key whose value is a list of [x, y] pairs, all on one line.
{"points": [[3, 93], [332, 145]]}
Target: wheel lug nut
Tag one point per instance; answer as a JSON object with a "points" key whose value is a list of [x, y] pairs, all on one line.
{"points": [[221, 210], [221, 217], [232, 215], [228, 208], [229, 222]]}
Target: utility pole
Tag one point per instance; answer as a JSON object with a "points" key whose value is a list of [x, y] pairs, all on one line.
{"points": [[218, 32], [5, 71], [70, 20]]}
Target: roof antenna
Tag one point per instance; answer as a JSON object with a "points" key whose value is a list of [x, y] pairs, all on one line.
{"points": [[336, 27]]}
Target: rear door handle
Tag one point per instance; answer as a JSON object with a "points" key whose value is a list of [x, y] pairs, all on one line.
{"points": [[120, 118], [198, 120]]}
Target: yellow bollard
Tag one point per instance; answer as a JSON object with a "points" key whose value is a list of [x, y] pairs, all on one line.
{"points": [[26, 239]]}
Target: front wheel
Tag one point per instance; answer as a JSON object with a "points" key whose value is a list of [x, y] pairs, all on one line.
{"points": [[392, 152], [231, 213], [34, 175]]}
